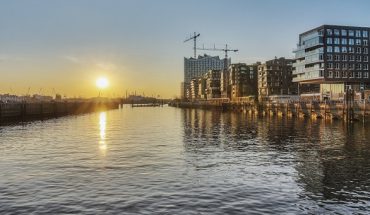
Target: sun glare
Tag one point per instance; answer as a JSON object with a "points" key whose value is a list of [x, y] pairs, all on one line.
{"points": [[102, 82]]}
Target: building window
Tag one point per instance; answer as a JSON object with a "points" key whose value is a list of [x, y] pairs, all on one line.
{"points": [[330, 66], [337, 57], [366, 66], [358, 66], [364, 42], [344, 49], [336, 32], [358, 42], [329, 57], [344, 41], [337, 66], [365, 34], [329, 32], [351, 50], [366, 74], [330, 74], [337, 74], [329, 40], [329, 49], [351, 42], [344, 57], [336, 49], [351, 58], [358, 50], [321, 57], [358, 33], [350, 74], [344, 32], [336, 41], [344, 66], [344, 75], [358, 58], [366, 58], [365, 50], [351, 33]]}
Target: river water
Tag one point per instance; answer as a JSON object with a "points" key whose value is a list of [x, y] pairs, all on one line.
{"points": [[165, 160]]}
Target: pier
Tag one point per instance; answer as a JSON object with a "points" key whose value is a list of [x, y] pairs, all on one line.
{"points": [[40, 110], [355, 110]]}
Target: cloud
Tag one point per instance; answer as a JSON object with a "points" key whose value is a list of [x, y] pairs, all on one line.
{"points": [[71, 59], [106, 66], [7, 58]]}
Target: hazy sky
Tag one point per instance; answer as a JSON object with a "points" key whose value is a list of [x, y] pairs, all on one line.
{"points": [[138, 44]]}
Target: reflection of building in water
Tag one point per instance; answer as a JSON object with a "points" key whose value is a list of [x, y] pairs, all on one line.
{"points": [[102, 128], [203, 127], [332, 163]]}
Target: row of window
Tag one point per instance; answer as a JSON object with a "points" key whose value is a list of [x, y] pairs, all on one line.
{"points": [[343, 32], [345, 49], [348, 74], [358, 58], [345, 41], [350, 66]]}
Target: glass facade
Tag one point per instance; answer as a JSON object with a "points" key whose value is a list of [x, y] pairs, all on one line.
{"points": [[332, 53]]}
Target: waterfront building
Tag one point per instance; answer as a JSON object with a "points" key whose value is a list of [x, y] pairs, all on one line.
{"points": [[333, 58], [202, 85], [242, 80], [198, 67], [239, 80], [275, 78], [213, 78], [194, 88], [224, 84]]}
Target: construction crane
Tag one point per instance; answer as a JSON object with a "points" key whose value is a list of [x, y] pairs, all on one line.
{"points": [[195, 42], [226, 50]]}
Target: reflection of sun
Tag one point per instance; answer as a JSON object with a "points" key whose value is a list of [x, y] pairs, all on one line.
{"points": [[102, 127], [102, 83]]}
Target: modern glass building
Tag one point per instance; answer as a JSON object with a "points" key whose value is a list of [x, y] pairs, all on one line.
{"points": [[334, 58]]}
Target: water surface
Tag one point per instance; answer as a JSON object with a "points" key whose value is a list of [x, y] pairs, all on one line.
{"points": [[184, 161]]}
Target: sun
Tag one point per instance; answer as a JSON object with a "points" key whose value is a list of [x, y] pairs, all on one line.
{"points": [[102, 82]]}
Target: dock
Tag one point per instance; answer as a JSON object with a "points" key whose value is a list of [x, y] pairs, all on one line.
{"points": [[40, 110]]}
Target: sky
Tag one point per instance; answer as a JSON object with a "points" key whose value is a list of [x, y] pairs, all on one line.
{"points": [[63, 46]]}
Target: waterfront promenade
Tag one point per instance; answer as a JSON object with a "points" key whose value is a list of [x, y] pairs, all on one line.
{"points": [[354, 110]]}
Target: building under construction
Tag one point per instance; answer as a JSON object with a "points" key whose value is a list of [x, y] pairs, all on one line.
{"points": [[198, 67]]}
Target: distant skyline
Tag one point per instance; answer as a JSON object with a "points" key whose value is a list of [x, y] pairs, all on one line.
{"points": [[138, 44]]}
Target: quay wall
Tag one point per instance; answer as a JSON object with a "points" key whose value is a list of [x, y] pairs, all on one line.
{"points": [[328, 110], [40, 110]]}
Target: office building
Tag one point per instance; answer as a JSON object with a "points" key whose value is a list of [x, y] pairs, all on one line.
{"points": [[334, 58]]}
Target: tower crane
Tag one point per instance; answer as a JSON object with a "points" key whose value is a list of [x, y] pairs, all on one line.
{"points": [[195, 42], [226, 50]]}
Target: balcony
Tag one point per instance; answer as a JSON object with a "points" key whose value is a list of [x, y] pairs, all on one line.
{"points": [[316, 41], [309, 75]]}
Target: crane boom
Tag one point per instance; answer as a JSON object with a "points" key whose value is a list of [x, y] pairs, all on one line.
{"points": [[226, 50], [195, 42]]}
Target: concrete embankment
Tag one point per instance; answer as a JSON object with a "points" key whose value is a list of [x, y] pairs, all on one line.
{"points": [[359, 110], [27, 111]]}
